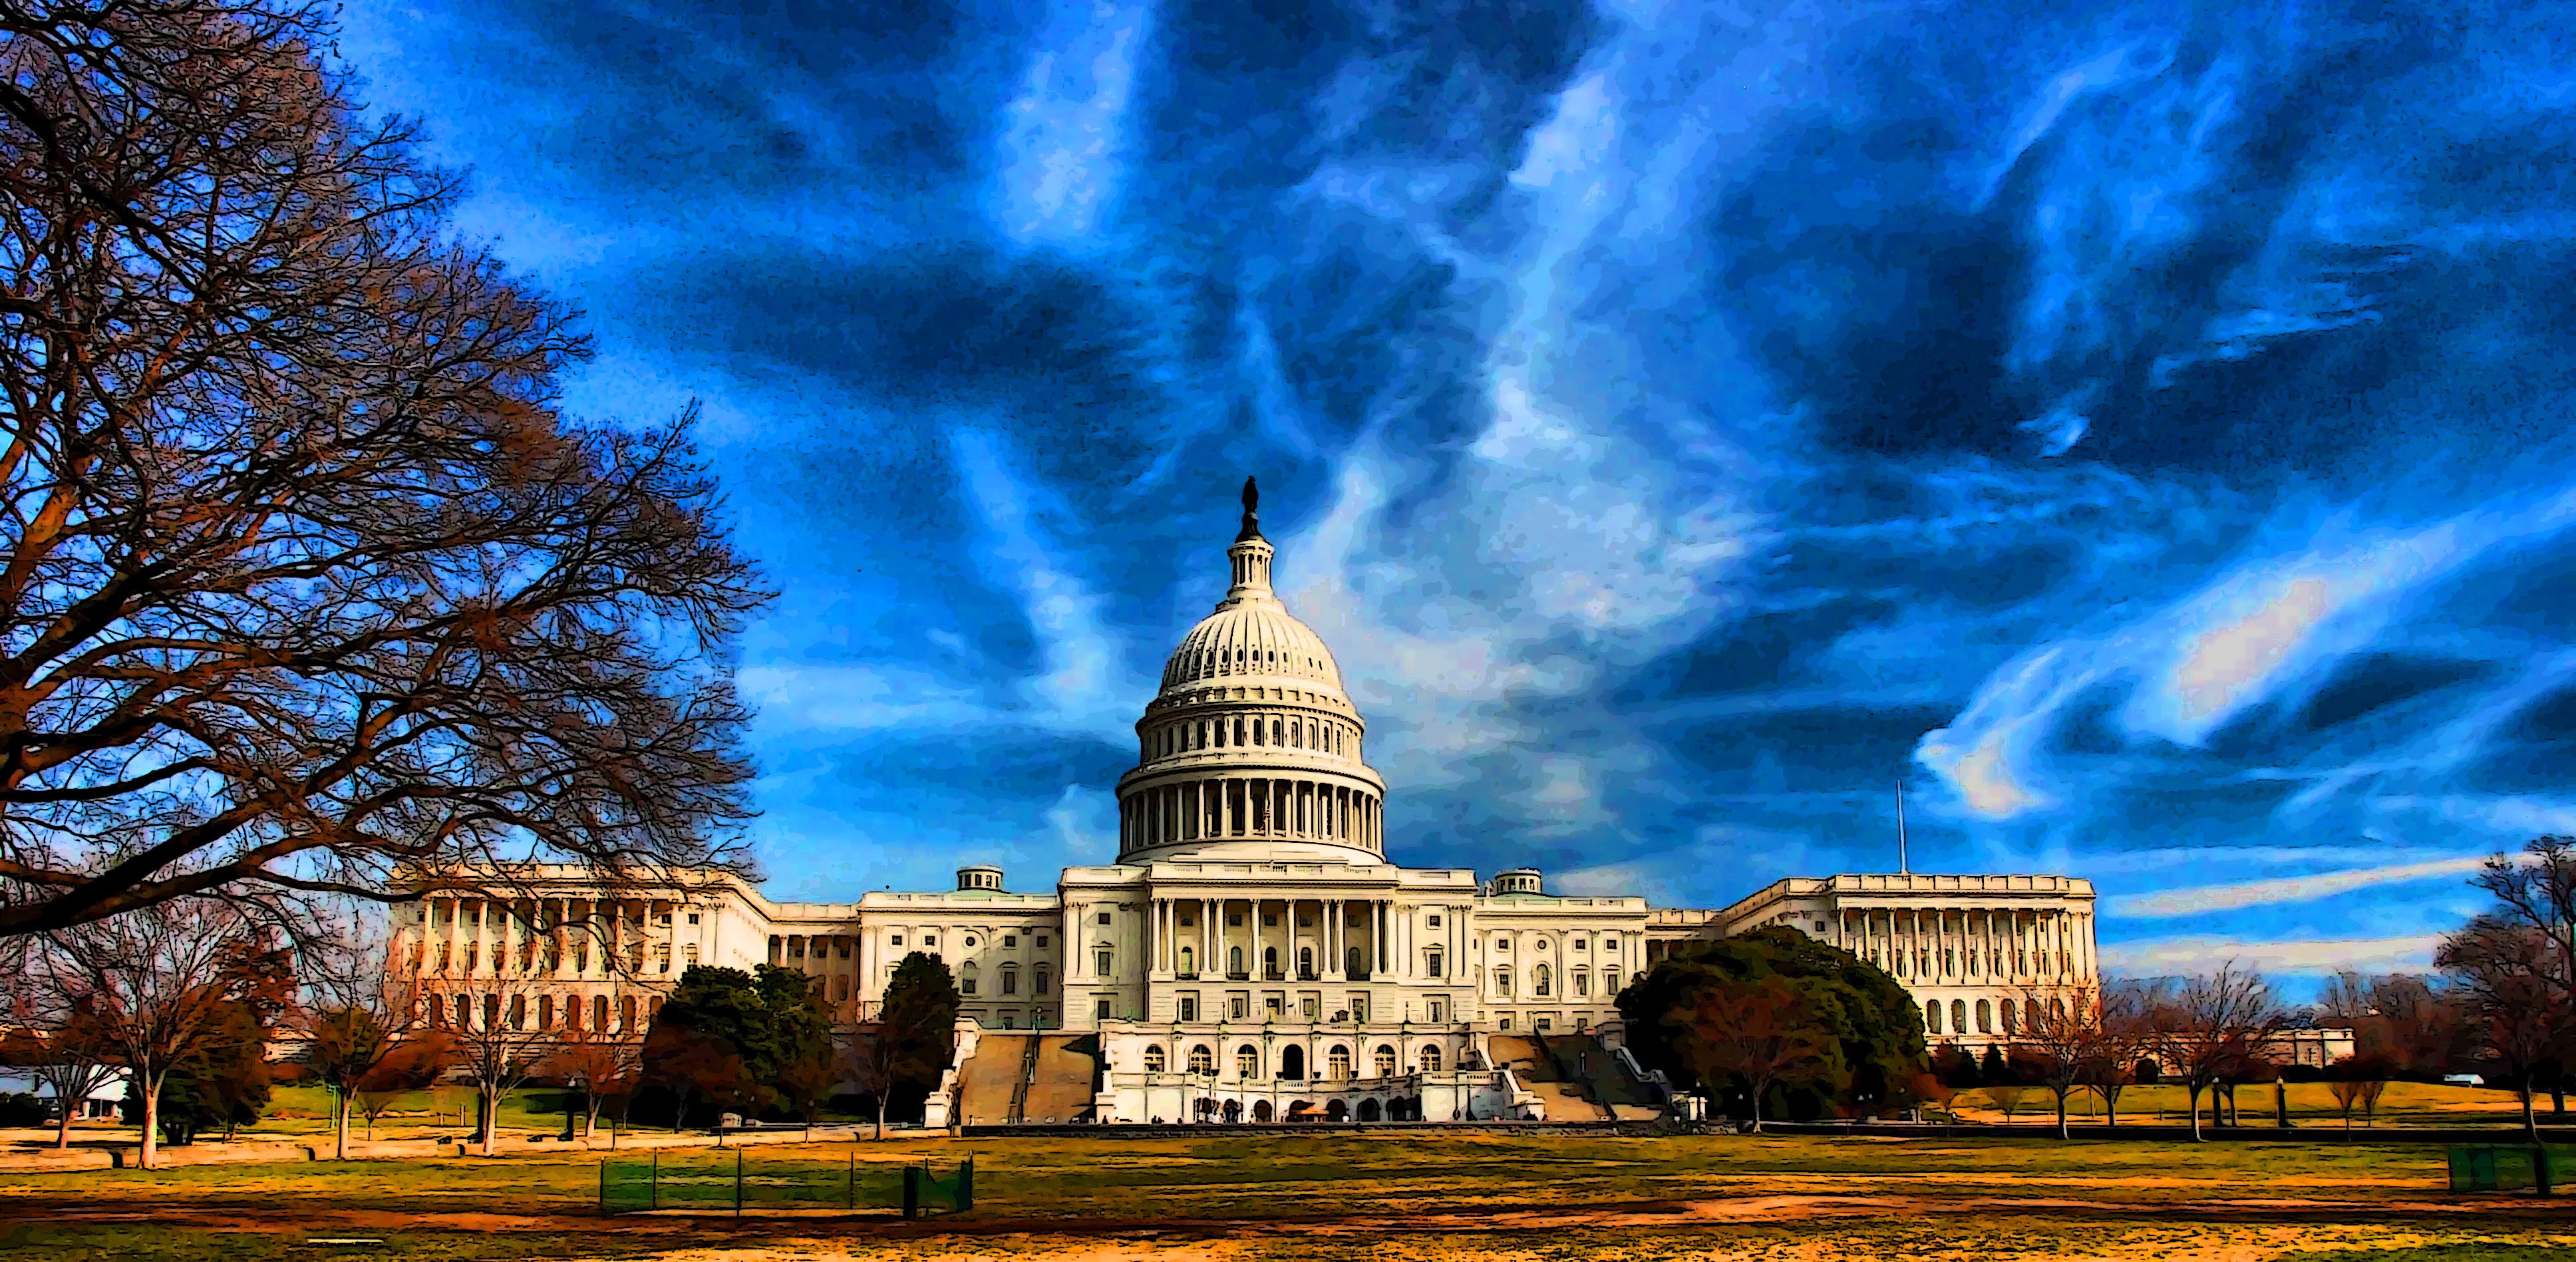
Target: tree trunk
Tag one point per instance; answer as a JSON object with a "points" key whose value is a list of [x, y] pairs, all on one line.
{"points": [[2061, 1117], [491, 1103], [2530, 1120], [881, 1114], [1757, 1110], [2192, 1093], [151, 1123], [63, 1129], [340, 1125]]}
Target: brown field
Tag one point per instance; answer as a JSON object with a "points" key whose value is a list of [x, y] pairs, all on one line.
{"points": [[1343, 1196]]}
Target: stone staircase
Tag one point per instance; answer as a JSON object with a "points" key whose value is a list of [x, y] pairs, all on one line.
{"points": [[1605, 1079], [991, 1082], [1062, 1078], [1530, 1060]]}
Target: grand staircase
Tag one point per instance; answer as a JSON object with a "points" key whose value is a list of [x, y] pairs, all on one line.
{"points": [[1580, 1058], [991, 1083], [1062, 1078], [1530, 1060]]}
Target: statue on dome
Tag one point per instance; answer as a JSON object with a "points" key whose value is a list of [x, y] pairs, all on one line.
{"points": [[1251, 512]]}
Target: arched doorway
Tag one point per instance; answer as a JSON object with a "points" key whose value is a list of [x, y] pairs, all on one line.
{"points": [[1270, 961], [1233, 1111], [1335, 1112], [1369, 1111], [1261, 1110], [1292, 1061]]}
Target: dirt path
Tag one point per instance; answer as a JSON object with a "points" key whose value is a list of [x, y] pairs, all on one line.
{"points": [[1505, 1218]]}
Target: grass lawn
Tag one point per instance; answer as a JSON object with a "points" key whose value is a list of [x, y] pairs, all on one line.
{"points": [[1351, 1196], [2312, 1104]]}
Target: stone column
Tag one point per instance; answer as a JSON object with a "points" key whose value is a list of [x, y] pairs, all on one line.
{"points": [[1332, 969]]}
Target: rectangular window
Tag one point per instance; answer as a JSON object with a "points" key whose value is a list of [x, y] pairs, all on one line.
{"points": [[1041, 976], [1234, 920], [1189, 1007], [1010, 939], [1435, 922], [1276, 1005], [1583, 983], [841, 947], [1010, 982], [1242, 1007], [896, 939], [966, 985], [930, 939], [1431, 964], [1544, 1023], [1309, 1007], [693, 918], [1100, 960], [1100, 1009], [689, 955], [1359, 1007], [1439, 1010], [1042, 939], [1104, 918], [1581, 944], [1503, 1022], [1270, 920]]}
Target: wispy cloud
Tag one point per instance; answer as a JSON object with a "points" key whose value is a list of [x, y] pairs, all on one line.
{"points": [[1062, 145], [2183, 956], [2205, 899]]}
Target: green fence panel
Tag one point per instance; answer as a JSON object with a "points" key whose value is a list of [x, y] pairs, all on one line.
{"points": [[738, 1182], [2511, 1168]]}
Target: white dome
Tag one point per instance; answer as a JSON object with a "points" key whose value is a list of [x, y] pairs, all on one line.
{"points": [[1248, 641], [1250, 749]]}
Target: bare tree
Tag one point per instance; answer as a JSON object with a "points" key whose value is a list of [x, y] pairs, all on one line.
{"points": [[414, 1064], [2521, 1020], [1761, 1032], [156, 985], [2356, 1078], [500, 1042], [2213, 1029], [875, 1060], [60, 1044], [304, 578], [2065, 1042], [365, 1010], [2120, 1037], [606, 1065]]}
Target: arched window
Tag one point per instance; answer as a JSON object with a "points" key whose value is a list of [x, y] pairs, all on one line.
{"points": [[1202, 1061], [2057, 1010], [1247, 1061], [1958, 1016], [1949, 963], [1203, 735], [599, 1013], [1985, 1018], [1256, 733], [1274, 731], [1234, 959], [1296, 736], [1932, 1017], [1429, 1058], [966, 978], [1039, 976], [2011, 1026], [1538, 981], [1305, 961], [1153, 1058], [1384, 1061], [1337, 1062], [1292, 1061], [1270, 960], [1189, 962]]}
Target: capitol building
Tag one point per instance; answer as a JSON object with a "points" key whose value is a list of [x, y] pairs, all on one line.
{"points": [[1251, 954]]}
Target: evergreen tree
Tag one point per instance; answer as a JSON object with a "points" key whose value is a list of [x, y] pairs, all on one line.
{"points": [[772, 1022], [920, 1017], [1874, 1022], [1994, 1069]]}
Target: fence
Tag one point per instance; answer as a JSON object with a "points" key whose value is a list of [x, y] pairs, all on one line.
{"points": [[734, 1181], [920, 1187], [2495, 1168]]}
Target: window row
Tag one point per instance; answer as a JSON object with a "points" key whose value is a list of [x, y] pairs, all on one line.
{"points": [[1248, 808], [1292, 1061], [1253, 731], [1985, 1016], [549, 1012], [466, 959], [1542, 982], [970, 981]]}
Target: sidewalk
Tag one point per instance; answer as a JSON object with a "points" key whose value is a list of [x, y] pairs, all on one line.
{"points": [[93, 1150]]}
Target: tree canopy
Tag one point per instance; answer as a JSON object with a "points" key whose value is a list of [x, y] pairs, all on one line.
{"points": [[305, 579], [919, 1021], [768, 1030], [1877, 1035]]}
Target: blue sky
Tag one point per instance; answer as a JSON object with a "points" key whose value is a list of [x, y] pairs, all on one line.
{"points": [[2141, 429]]}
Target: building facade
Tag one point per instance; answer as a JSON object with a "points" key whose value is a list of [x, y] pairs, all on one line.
{"points": [[1251, 951]]}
